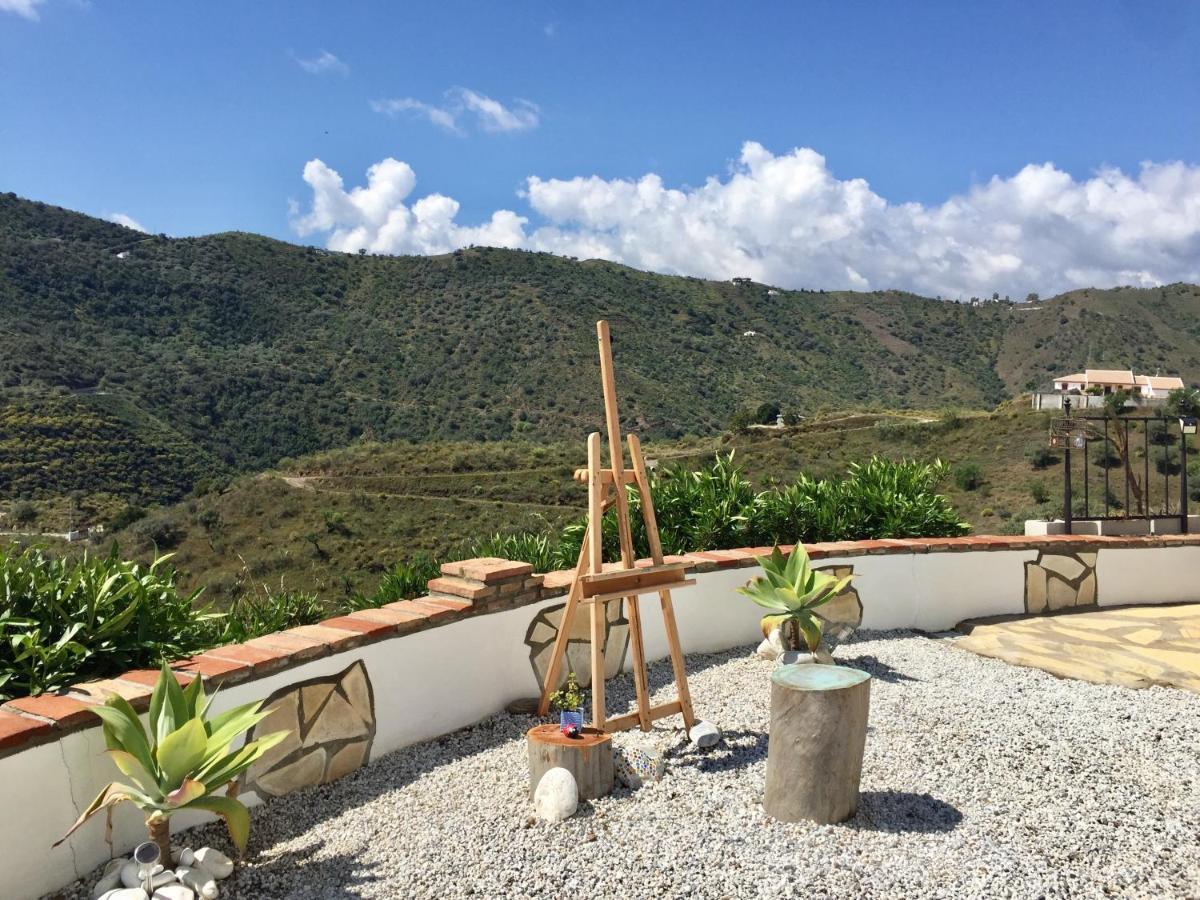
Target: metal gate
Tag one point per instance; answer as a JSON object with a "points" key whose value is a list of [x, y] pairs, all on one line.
{"points": [[1137, 464]]}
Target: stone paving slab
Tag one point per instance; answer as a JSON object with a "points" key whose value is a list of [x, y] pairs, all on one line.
{"points": [[1135, 646]]}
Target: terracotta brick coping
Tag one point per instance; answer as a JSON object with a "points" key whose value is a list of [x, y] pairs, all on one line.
{"points": [[466, 588]]}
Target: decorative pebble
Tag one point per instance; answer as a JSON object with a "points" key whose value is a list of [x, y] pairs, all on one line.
{"points": [[199, 880], [556, 796], [174, 891], [111, 879], [981, 779], [131, 878], [214, 862], [704, 735]]}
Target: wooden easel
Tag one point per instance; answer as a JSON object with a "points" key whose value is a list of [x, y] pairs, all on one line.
{"points": [[594, 586]]}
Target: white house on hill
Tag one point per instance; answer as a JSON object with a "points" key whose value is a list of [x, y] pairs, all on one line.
{"points": [[1108, 381]]}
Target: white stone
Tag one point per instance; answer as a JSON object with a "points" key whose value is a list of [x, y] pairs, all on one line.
{"points": [[771, 646], [214, 861], [111, 878], [131, 877], [199, 880], [704, 735], [124, 894], [557, 795], [174, 891]]}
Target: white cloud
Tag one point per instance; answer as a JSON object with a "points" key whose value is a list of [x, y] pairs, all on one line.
{"points": [[490, 115], [494, 115], [787, 220], [323, 63], [440, 116], [26, 9], [127, 221], [378, 218]]}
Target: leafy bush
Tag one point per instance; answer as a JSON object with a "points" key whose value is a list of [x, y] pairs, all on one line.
{"points": [[717, 508], [968, 476], [1039, 492], [253, 615], [1042, 457], [405, 580], [66, 620]]}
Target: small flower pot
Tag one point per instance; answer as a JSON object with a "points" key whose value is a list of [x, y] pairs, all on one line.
{"points": [[568, 717]]}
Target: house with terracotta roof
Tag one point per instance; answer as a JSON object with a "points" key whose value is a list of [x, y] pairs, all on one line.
{"points": [[1109, 381], [1158, 386]]}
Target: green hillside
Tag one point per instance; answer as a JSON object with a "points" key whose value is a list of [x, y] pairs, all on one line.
{"points": [[238, 351]]}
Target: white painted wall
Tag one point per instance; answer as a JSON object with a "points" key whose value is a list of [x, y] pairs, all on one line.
{"points": [[433, 682]]}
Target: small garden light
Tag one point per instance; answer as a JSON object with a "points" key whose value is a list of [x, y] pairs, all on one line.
{"points": [[1187, 424]]}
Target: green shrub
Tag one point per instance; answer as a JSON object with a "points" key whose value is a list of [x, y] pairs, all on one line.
{"points": [[1042, 457], [67, 620], [253, 615], [968, 476], [1039, 492], [403, 581]]}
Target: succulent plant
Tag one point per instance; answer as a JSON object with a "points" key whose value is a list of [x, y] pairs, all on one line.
{"points": [[792, 590]]}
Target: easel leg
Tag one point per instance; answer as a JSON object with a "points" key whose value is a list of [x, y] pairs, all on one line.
{"points": [[641, 684], [677, 664], [598, 628], [564, 629]]}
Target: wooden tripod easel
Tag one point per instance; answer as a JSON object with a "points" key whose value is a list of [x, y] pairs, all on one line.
{"points": [[594, 586]]}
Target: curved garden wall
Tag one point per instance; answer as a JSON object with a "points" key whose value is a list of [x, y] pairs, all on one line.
{"points": [[358, 686]]}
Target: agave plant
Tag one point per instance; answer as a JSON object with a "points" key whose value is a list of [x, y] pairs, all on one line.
{"points": [[182, 762], [793, 590]]}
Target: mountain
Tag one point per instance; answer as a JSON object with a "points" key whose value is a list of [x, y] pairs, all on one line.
{"points": [[231, 352]]}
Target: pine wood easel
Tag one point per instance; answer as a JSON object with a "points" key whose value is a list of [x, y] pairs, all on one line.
{"points": [[594, 586]]}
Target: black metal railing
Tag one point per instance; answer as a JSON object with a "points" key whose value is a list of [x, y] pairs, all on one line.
{"points": [[1127, 444]]}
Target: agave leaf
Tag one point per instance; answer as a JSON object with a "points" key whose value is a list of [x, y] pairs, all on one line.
{"points": [[129, 765], [193, 698], [769, 623], [791, 601], [829, 591], [226, 727], [767, 598], [110, 795], [228, 767], [181, 751], [236, 816], [123, 731], [188, 791], [810, 627], [174, 706]]}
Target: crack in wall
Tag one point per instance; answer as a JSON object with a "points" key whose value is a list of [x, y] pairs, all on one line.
{"points": [[62, 751]]}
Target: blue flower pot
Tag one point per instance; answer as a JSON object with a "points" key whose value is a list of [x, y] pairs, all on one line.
{"points": [[570, 717]]}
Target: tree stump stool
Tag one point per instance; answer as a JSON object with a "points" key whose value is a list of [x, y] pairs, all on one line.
{"points": [[588, 757], [815, 747]]}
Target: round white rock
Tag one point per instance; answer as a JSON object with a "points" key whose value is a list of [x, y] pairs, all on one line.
{"points": [[557, 795]]}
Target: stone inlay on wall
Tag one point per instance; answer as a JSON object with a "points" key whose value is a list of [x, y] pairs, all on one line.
{"points": [[1060, 580], [543, 631], [332, 724], [843, 614]]}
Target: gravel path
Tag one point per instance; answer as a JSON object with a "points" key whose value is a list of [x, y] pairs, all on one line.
{"points": [[980, 779]]}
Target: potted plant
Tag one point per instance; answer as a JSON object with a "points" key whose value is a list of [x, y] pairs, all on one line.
{"points": [[183, 761], [792, 590], [568, 702]]}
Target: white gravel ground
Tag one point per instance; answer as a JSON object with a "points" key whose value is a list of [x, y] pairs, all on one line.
{"points": [[980, 780]]}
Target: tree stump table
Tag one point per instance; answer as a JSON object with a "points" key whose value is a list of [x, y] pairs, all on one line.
{"points": [[588, 757], [815, 747]]}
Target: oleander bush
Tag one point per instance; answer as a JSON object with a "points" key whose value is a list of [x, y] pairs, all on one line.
{"points": [[64, 620], [718, 508]]}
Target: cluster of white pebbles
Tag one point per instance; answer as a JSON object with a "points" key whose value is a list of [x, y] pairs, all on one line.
{"points": [[980, 779]]}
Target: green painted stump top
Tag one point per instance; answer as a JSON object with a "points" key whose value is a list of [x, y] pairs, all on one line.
{"points": [[817, 677]]}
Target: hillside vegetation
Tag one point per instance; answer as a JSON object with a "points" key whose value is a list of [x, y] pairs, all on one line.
{"points": [[232, 352]]}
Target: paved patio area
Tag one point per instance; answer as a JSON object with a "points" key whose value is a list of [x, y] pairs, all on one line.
{"points": [[1135, 646]]}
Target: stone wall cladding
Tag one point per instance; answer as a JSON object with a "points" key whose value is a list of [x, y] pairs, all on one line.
{"points": [[466, 588]]}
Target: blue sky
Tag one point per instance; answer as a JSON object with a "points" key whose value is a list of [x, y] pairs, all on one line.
{"points": [[200, 117]]}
